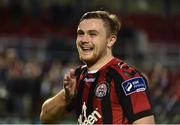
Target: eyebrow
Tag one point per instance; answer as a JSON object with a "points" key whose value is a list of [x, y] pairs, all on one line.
{"points": [[89, 31], [94, 31]]}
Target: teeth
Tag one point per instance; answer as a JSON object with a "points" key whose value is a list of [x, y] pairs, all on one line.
{"points": [[86, 48]]}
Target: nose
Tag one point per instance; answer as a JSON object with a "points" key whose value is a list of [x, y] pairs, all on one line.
{"points": [[84, 39]]}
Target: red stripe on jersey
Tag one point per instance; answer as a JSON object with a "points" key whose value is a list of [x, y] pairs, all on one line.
{"points": [[140, 102]]}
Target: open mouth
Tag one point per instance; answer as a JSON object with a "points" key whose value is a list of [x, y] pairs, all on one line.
{"points": [[86, 49]]}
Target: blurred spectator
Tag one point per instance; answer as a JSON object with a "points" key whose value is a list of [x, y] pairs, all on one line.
{"points": [[165, 95], [52, 80], [16, 10]]}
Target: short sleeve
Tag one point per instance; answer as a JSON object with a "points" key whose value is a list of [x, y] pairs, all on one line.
{"points": [[133, 94]]}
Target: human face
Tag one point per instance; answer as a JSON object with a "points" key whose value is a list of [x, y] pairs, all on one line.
{"points": [[92, 40]]}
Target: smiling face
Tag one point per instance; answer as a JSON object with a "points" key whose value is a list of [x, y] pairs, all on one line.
{"points": [[93, 42]]}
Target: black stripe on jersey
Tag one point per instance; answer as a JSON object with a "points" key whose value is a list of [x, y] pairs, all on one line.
{"points": [[147, 90], [106, 103], [79, 95], [124, 100], [78, 72], [91, 95]]}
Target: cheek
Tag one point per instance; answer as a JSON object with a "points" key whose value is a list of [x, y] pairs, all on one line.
{"points": [[77, 42], [101, 45]]}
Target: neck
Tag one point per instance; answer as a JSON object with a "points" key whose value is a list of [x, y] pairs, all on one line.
{"points": [[100, 63]]}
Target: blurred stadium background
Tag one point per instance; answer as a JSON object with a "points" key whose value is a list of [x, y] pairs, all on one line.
{"points": [[37, 46]]}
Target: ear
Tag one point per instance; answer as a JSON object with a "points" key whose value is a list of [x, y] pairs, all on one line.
{"points": [[111, 41]]}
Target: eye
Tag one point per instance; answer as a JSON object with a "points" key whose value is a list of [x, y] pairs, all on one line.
{"points": [[80, 33], [93, 34]]}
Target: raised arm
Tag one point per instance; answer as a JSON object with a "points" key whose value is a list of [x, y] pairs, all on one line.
{"points": [[54, 109]]}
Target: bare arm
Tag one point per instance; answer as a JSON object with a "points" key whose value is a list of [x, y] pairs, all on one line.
{"points": [[145, 120], [54, 108]]}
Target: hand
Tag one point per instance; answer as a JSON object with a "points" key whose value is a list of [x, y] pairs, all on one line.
{"points": [[70, 84]]}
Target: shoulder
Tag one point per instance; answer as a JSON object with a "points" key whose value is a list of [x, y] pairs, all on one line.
{"points": [[125, 70], [122, 71], [128, 77]]}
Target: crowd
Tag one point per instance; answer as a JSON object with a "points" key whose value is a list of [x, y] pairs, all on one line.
{"points": [[165, 86], [25, 84]]}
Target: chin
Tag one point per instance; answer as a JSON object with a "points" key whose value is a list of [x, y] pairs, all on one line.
{"points": [[87, 60]]}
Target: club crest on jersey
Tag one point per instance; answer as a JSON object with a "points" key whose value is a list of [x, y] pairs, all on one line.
{"points": [[101, 89], [136, 84]]}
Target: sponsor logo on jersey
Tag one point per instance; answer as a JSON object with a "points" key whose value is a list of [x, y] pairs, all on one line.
{"points": [[101, 89], [89, 79], [90, 119], [136, 84]]}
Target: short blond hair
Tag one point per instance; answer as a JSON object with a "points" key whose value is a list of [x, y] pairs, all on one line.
{"points": [[110, 20]]}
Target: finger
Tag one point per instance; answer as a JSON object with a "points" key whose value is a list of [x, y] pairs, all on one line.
{"points": [[66, 81], [65, 77], [72, 73], [67, 87]]}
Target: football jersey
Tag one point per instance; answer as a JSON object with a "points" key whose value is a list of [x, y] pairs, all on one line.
{"points": [[115, 94]]}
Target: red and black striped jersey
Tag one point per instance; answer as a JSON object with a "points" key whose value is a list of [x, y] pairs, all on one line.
{"points": [[115, 94]]}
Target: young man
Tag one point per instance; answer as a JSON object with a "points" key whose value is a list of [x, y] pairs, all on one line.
{"points": [[105, 90]]}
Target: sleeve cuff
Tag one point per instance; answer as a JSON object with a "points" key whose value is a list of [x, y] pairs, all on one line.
{"points": [[142, 114]]}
